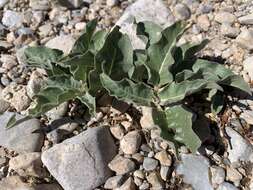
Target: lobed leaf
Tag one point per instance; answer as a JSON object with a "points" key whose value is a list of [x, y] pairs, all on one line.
{"points": [[127, 90]]}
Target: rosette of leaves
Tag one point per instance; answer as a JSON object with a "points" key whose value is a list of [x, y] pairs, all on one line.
{"points": [[162, 75], [165, 74]]}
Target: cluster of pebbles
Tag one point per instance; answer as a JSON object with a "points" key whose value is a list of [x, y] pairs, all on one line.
{"points": [[121, 148]]}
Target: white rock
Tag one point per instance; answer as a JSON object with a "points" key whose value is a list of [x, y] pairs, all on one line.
{"points": [[20, 138], [226, 186], [241, 149], [3, 2], [182, 12], [147, 121], [39, 5], [144, 10], [28, 164], [245, 39], [114, 182], [229, 31], [248, 66], [225, 17], [57, 112], [112, 3], [63, 43], [128, 185], [155, 180], [247, 19], [234, 176], [17, 96], [195, 171], [131, 142], [35, 83], [217, 175], [121, 165], [150, 164], [12, 19], [14, 183], [80, 163]]}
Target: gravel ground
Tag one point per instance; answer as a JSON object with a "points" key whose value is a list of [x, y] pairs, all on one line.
{"points": [[113, 150]]}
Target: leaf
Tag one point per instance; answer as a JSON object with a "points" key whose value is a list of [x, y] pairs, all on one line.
{"points": [[149, 32], [237, 82], [180, 120], [90, 102], [127, 90], [189, 49], [116, 57], [80, 65], [178, 91], [44, 58], [98, 40], [83, 42], [59, 89], [95, 84], [160, 55], [212, 67]]}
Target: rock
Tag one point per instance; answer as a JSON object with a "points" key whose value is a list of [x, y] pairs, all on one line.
{"points": [[164, 172], [47, 187], [144, 186], [39, 5], [248, 66], [146, 120], [80, 163], [131, 142], [3, 161], [144, 10], [74, 3], [241, 149], [203, 22], [121, 165], [14, 183], [245, 39], [164, 158], [182, 12], [195, 171], [149, 164], [8, 61], [12, 19], [117, 131], [57, 112], [217, 175], [139, 173], [226, 186], [114, 182], [3, 2], [155, 180], [35, 83], [4, 106], [62, 128], [234, 176], [112, 3], [225, 17], [128, 185], [28, 164], [22, 137], [16, 95], [45, 29], [247, 115], [63, 43], [247, 19], [229, 31]]}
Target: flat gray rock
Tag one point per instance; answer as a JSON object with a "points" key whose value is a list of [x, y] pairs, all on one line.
{"points": [[241, 149], [80, 163], [144, 10], [195, 171], [21, 137]]}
